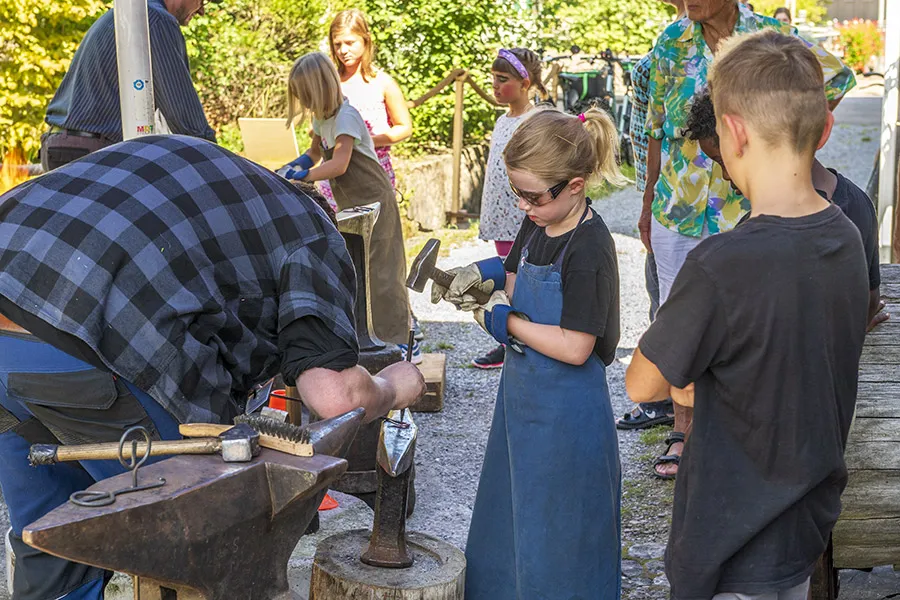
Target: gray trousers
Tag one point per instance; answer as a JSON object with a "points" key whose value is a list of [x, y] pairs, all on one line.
{"points": [[798, 592]]}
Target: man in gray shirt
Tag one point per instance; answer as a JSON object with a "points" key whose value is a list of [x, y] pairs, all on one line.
{"points": [[85, 115]]}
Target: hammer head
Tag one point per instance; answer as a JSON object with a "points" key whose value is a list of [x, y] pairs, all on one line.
{"points": [[239, 444], [423, 265]]}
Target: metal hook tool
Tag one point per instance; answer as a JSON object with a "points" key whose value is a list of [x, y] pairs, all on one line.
{"points": [[94, 499]]}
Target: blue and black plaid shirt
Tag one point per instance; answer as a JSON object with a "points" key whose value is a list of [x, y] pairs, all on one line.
{"points": [[178, 263]]}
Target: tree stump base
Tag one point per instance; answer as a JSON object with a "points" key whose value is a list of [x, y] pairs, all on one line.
{"points": [[438, 572]]}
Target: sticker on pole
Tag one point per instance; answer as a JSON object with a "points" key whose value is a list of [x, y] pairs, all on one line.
{"points": [[138, 84]]}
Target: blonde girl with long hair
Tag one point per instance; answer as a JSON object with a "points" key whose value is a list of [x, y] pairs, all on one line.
{"points": [[342, 153], [370, 90], [546, 517]]}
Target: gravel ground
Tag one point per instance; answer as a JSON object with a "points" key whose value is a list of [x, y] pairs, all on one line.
{"points": [[451, 444]]}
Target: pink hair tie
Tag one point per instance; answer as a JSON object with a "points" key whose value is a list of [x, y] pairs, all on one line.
{"points": [[581, 117]]}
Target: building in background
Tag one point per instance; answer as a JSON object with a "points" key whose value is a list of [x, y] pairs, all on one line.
{"points": [[845, 10]]}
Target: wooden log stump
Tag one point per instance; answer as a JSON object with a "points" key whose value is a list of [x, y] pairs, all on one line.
{"points": [[438, 572]]}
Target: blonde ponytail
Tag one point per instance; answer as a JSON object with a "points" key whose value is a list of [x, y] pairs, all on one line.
{"points": [[555, 146], [605, 138]]}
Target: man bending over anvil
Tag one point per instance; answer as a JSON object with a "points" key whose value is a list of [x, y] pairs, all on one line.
{"points": [[153, 283]]}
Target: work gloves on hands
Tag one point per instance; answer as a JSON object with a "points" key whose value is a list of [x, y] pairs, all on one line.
{"points": [[486, 275], [297, 169], [494, 317]]}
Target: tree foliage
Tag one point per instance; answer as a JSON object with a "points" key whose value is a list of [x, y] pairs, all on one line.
{"points": [[37, 41], [420, 41], [241, 51], [624, 26]]}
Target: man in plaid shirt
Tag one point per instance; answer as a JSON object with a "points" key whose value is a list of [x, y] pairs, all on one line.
{"points": [[153, 283]]}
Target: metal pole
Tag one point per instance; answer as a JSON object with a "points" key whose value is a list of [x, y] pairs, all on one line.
{"points": [[887, 180], [133, 58]]}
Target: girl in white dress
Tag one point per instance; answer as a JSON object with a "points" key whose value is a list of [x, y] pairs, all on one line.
{"points": [[515, 72]]}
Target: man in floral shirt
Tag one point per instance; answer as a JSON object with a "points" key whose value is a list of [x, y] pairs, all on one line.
{"points": [[686, 198]]}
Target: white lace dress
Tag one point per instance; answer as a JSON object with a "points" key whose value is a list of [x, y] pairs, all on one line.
{"points": [[500, 215]]}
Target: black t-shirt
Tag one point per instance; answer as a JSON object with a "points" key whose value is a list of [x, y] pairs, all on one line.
{"points": [[768, 320], [859, 208], [590, 278]]}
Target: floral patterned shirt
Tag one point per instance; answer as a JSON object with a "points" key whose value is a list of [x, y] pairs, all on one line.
{"points": [[691, 191], [640, 83]]}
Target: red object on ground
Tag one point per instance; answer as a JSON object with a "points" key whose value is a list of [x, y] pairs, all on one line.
{"points": [[276, 402], [328, 503]]}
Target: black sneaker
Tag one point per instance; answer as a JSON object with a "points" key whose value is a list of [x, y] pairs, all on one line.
{"points": [[491, 360]]}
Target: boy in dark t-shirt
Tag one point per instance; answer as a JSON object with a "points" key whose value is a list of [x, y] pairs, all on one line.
{"points": [[831, 185], [762, 335]]}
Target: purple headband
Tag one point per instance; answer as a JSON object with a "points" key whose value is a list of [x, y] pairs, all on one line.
{"points": [[515, 62]]}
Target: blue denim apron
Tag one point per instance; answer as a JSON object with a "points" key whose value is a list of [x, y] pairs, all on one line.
{"points": [[546, 520]]}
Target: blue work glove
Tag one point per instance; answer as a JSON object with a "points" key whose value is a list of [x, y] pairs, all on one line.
{"points": [[488, 275], [494, 317], [297, 168]]}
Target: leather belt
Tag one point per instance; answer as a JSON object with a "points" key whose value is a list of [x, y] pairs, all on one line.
{"points": [[7, 325], [75, 132]]}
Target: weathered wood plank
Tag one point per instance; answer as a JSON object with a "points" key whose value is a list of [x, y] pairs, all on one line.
{"points": [[866, 543], [872, 494], [874, 400], [887, 354], [847, 556], [868, 532], [880, 374], [873, 454], [865, 430]]}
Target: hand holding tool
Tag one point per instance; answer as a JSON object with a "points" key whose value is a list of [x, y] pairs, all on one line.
{"points": [[423, 268]]}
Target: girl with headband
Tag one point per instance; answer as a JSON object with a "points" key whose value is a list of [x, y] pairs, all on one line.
{"points": [[515, 73]]}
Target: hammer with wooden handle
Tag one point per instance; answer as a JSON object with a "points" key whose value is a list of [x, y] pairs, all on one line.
{"points": [[236, 444]]}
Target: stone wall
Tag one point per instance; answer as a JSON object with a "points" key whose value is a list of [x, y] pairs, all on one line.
{"points": [[426, 184]]}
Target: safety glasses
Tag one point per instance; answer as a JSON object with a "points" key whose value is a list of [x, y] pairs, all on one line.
{"points": [[534, 198]]}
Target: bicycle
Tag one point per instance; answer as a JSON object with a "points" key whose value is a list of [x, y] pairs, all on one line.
{"points": [[582, 90]]}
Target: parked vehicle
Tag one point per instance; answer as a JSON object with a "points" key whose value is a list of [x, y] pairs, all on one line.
{"points": [[578, 91]]}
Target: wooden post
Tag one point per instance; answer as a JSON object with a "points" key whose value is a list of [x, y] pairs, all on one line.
{"points": [[888, 187], [457, 146], [294, 409]]}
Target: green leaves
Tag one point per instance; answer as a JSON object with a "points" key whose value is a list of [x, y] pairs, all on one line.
{"points": [[37, 41]]}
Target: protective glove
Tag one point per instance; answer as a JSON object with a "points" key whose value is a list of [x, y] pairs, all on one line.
{"points": [[486, 275], [297, 168], [494, 317]]}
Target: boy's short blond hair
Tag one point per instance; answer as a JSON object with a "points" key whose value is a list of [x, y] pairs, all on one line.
{"points": [[775, 83], [314, 89]]}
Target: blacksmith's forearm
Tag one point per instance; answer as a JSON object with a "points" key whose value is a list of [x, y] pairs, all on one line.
{"points": [[332, 393]]}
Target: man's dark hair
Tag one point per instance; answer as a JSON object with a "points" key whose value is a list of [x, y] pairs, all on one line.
{"points": [[701, 122]]}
